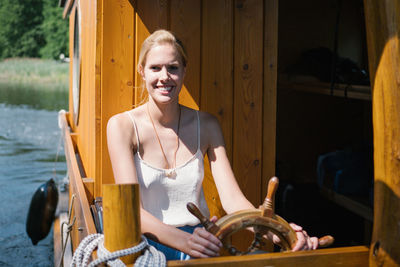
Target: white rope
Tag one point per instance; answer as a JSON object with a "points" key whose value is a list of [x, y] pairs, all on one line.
{"points": [[151, 256]]}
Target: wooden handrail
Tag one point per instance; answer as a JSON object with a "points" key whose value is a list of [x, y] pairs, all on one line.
{"points": [[346, 256]]}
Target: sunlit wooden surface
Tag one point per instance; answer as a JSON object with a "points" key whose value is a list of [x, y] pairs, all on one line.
{"points": [[121, 214], [383, 36]]}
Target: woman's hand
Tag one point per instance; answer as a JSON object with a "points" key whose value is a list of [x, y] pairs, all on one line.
{"points": [[304, 242], [202, 244]]}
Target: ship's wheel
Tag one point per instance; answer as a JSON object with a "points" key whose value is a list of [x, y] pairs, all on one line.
{"points": [[262, 220]]}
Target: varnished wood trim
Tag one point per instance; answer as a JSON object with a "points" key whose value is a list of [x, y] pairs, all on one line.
{"points": [[89, 189], [67, 8], [84, 220], [269, 92], [347, 256], [382, 19], [121, 218]]}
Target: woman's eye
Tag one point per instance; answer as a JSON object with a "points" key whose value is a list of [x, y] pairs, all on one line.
{"points": [[155, 68], [173, 68]]}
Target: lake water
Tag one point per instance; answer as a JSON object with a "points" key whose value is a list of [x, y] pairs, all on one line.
{"points": [[29, 141]]}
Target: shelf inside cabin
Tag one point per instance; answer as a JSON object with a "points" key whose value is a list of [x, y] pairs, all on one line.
{"points": [[312, 85], [358, 206]]}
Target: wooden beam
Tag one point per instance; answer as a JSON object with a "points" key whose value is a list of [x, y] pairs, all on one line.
{"points": [[84, 224], [88, 184], [185, 23], [117, 73], [121, 218], [217, 82], [269, 92], [67, 8], [348, 256], [247, 102], [383, 38]]}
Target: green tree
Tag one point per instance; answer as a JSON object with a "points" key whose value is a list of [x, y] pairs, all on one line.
{"points": [[20, 30], [55, 30]]}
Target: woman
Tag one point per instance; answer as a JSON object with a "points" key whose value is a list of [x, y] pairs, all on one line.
{"points": [[161, 146]]}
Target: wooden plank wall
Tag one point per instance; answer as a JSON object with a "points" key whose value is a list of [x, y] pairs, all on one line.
{"points": [[117, 73], [217, 81]]}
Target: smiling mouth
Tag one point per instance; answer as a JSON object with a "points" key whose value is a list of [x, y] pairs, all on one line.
{"points": [[165, 89]]}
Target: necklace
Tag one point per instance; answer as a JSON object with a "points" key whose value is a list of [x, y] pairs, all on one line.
{"points": [[170, 172]]}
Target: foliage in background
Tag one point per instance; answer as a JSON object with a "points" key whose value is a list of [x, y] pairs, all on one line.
{"points": [[55, 31], [20, 27], [32, 28]]}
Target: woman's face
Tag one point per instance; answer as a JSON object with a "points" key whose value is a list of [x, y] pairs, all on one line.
{"points": [[163, 73]]}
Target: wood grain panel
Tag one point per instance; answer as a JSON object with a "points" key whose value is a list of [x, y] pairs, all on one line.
{"points": [[88, 184], [117, 71], [97, 105], [83, 127], [150, 16], [269, 98], [217, 65], [141, 33], [153, 14], [90, 50], [185, 23], [383, 38], [248, 76], [121, 232], [217, 81], [248, 87]]}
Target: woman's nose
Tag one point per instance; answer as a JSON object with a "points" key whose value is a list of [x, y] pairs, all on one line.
{"points": [[164, 74]]}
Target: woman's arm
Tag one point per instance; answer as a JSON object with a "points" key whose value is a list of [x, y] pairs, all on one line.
{"points": [[120, 148], [231, 196], [200, 244], [120, 138]]}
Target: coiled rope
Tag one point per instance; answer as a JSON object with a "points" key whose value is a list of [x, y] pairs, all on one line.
{"points": [[151, 256]]}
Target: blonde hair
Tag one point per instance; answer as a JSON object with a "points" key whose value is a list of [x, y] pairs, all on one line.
{"points": [[159, 37]]}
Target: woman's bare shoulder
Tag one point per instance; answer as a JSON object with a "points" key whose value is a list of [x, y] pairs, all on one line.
{"points": [[211, 132], [208, 121], [118, 121], [121, 125], [123, 120]]}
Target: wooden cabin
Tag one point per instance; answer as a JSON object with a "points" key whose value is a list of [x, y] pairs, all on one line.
{"points": [[248, 65]]}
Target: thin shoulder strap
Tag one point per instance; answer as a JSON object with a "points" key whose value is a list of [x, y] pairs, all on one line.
{"points": [[136, 131], [198, 130]]}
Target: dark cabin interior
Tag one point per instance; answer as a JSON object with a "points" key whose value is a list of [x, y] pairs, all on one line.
{"points": [[324, 148]]}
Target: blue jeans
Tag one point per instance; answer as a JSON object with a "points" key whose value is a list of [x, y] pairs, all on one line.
{"points": [[171, 253]]}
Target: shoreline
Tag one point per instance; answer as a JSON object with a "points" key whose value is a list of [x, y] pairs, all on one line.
{"points": [[35, 72], [37, 83]]}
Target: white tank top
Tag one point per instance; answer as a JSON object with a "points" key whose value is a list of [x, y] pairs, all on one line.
{"points": [[166, 198]]}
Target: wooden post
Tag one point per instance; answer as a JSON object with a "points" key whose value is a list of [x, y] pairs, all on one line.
{"points": [[121, 212], [383, 36]]}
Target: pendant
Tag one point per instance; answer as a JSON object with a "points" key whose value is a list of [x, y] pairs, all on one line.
{"points": [[170, 173]]}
